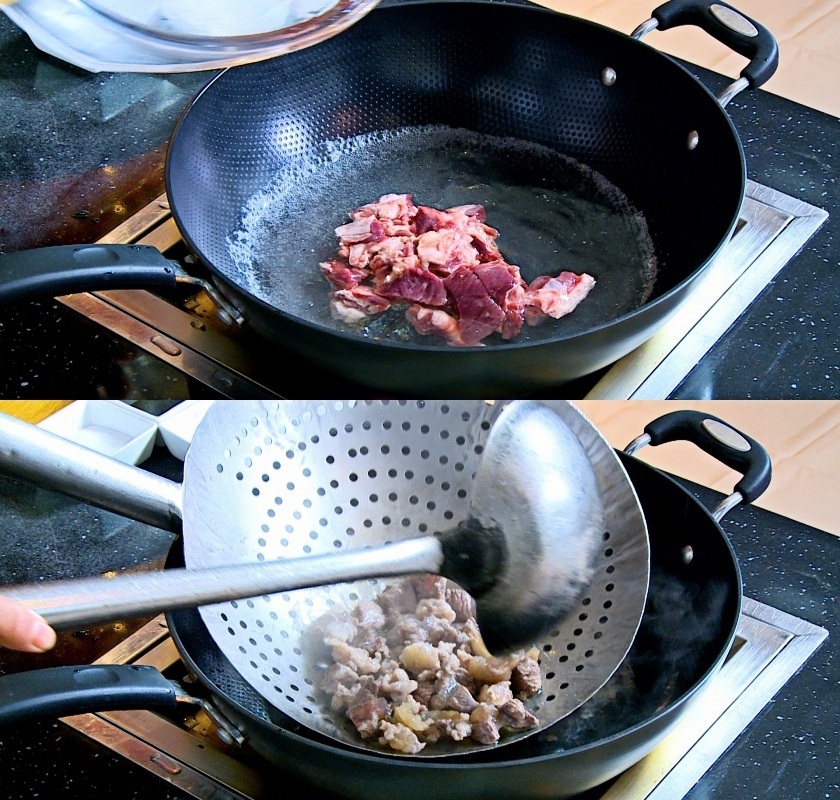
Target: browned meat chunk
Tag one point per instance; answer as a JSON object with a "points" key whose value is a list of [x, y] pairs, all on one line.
{"points": [[496, 694]]}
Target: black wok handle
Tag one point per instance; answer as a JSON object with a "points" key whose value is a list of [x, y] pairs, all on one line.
{"points": [[730, 27], [58, 691], [720, 440], [64, 269]]}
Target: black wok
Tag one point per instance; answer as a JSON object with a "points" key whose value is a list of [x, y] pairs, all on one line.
{"points": [[454, 102], [687, 629]]}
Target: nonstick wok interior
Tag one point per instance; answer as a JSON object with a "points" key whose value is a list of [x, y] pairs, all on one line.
{"points": [[553, 213]]}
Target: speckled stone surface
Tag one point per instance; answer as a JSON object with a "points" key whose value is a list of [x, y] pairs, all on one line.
{"points": [[80, 152], [787, 344], [789, 750]]}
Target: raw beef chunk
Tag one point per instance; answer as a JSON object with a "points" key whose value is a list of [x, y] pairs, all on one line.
{"points": [[445, 267]]}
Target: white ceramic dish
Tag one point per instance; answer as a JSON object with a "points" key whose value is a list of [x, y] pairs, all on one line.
{"points": [[110, 427], [177, 426]]}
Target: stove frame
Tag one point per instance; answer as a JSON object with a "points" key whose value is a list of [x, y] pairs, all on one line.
{"points": [[769, 648], [771, 230]]}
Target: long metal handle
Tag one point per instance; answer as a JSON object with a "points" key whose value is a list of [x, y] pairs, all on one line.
{"points": [[50, 461], [68, 604]]}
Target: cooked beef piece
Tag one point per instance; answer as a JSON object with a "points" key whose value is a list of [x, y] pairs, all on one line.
{"points": [[456, 727], [411, 669], [336, 626], [369, 614], [513, 714], [396, 683], [461, 603], [451, 694], [398, 598], [445, 266], [496, 694], [485, 724], [401, 738], [526, 678], [427, 586], [366, 712]]}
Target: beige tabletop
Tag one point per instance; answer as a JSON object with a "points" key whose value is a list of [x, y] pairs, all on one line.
{"points": [[801, 436], [808, 33]]}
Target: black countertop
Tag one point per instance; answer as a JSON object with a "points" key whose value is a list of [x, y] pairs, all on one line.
{"points": [[81, 152], [789, 750]]}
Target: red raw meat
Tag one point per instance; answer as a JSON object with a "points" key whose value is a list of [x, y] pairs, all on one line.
{"points": [[446, 266], [415, 284]]}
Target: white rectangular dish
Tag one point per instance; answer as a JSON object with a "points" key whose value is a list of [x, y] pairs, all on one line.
{"points": [[110, 427]]}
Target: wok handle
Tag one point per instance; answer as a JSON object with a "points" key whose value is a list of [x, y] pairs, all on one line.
{"points": [[58, 691], [45, 459], [55, 271], [730, 27], [85, 601], [720, 440]]}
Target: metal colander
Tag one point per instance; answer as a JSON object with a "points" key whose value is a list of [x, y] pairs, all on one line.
{"points": [[266, 481]]}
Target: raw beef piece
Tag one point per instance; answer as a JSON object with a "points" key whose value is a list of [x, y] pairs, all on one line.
{"points": [[445, 266], [555, 297], [415, 284], [358, 303], [478, 313], [343, 275], [364, 229], [435, 320], [445, 251]]}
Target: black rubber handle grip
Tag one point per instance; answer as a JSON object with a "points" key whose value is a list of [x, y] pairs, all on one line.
{"points": [[720, 440], [64, 269], [730, 27], [58, 691]]}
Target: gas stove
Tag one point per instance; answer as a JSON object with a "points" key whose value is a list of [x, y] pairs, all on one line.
{"points": [[198, 752], [187, 332]]}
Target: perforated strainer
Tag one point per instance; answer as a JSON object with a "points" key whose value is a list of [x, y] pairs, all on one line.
{"points": [[268, 481]]}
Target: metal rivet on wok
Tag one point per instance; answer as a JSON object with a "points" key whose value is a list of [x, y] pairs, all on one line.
{"points": [[608, 76], [687, 554], [693, 140]]}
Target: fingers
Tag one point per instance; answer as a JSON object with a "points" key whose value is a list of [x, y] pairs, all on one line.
{"points": [[22, 629]]}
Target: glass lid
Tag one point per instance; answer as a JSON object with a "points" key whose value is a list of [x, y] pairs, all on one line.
{"points": [[178, 35]]}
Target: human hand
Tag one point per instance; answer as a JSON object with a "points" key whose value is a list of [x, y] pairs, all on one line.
{"points": [[22, 629]]}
